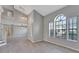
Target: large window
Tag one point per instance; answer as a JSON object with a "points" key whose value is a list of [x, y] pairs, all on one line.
{"points": [[72, 28], [60, 27], [64, 28]]}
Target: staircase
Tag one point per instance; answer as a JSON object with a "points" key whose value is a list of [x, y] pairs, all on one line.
{"points": [[2, 43]]}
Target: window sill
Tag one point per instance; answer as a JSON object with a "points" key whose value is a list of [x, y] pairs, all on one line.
{"points": [[72, 40]]}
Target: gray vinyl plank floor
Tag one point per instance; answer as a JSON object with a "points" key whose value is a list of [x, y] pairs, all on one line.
{"points": [[26, 46]]}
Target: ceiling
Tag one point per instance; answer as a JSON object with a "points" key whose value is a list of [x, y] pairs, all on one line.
{"points": [[42, 9]]}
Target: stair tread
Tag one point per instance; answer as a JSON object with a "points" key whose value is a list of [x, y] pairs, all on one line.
{"points": [[2, 42]]}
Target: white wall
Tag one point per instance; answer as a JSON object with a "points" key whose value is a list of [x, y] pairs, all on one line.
{"points": [[36, 28]]}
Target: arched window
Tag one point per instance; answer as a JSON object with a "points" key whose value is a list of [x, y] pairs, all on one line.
{"points": [[63, 28], [60, 26]]}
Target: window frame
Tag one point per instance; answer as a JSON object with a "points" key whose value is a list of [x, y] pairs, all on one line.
{"points": [[72, 28], [50, 29], [67, 28], [61, 37]]}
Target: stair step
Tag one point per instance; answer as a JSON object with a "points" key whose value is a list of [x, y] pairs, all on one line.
{"points": [[2, 43]]}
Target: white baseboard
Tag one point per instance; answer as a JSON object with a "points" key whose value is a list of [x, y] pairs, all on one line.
{"points": [[77, 50]]}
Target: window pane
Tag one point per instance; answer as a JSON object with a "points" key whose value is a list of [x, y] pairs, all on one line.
{"points": [[50, 25], [74, 20], [75, 37], [64, 26], [70, 37], [60, 23], [70, 21], [73, 28], [58, 33], [74, 31], [59, 18], [70, 32], [50, 29], [74, 25], [63, 18], [60, 29], [57, 27], [70, 26], [57, 23], [64, 22], [51, 33]]}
